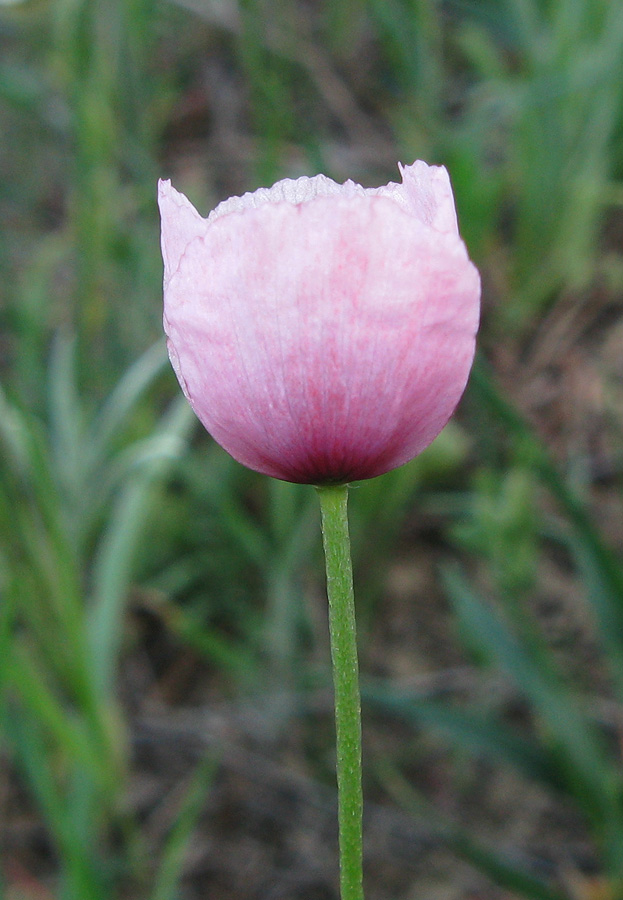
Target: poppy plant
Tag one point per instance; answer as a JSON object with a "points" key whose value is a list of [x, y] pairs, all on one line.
{"points": [[324, 333]]}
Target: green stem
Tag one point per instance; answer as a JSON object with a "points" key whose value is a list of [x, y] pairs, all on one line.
{"points": [[333, 506]]}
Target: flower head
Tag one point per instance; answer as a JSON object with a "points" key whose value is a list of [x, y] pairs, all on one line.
{"points": [[323, 333]]}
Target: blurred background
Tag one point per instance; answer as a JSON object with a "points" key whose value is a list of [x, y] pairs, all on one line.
{"points": [[165, 705]]}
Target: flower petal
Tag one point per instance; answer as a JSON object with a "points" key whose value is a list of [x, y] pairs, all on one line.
{"points": [[180, 224], [325, 340]]}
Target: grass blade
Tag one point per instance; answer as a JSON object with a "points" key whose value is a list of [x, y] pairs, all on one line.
{"points": [[500, 868], [116, 550], [172, 861], [468, 730], [567, 735]]}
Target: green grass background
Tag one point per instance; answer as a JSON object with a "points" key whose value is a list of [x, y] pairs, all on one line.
{"points": [[108, 490]]}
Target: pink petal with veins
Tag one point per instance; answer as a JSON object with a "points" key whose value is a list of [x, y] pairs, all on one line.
{"points": [[323, 333]]}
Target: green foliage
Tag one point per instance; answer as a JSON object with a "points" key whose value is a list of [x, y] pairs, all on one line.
{"points": [[568, 751], [522, 100], [503, 527], [505, 869], [76, 494]]}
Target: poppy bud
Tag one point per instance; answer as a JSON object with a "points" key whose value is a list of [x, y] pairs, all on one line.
{"points": [[323, 333]]}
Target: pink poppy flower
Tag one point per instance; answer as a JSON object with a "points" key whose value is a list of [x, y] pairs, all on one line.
{"points": [[323, 333]]}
